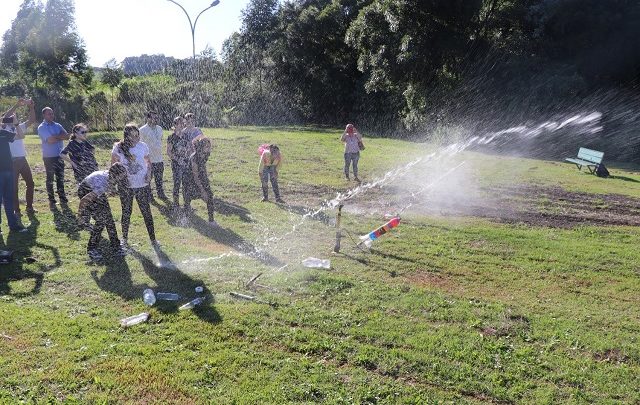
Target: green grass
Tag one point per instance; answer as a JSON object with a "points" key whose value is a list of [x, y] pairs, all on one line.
{"points": [[443, 309]]}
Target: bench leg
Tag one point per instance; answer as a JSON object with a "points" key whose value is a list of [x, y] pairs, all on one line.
{"points": [[579, 167]]}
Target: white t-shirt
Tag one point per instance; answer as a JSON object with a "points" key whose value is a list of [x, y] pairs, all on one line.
{"points": [[17, 146], [98, 182], [137, 169], [153, 138]]}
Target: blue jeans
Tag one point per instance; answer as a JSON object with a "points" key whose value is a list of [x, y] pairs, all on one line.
{"points": [[7, 191], [269, 172], [348, 158]]}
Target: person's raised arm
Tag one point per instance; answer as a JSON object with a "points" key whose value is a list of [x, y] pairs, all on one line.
{"points": [[32, 114]]}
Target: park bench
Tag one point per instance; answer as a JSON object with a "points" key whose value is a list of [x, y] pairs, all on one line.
{"points": [[589, 158]]}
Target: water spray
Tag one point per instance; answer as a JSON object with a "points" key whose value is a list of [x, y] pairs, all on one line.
{"points": [[336, 248]]}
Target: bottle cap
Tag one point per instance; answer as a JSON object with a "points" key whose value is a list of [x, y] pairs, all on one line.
{"points": [[199, 289]]}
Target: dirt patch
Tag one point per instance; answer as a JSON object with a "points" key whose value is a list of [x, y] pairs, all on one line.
{"points": [[528, 205]]}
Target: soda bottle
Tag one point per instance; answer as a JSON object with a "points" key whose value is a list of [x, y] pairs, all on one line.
{"points": [[167, 296], [148, 297], [192, 304], [134, 320]]}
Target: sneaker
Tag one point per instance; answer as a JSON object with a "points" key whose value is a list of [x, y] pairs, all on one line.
{"points": [[94, 255], [31, 211], [280, 200], [17, 213], [264, 199], [356, 179], [348, 178]]}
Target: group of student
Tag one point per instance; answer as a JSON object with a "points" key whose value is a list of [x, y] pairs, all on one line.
{"points": [[135, 161]]}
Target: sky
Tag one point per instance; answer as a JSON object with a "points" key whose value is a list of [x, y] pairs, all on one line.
{"points": [[121, 28]]}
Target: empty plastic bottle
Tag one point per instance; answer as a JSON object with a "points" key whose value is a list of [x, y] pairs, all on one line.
{"points": [[134, 320], [148, 297], [167, 296], [316, 263], [192, 303]]}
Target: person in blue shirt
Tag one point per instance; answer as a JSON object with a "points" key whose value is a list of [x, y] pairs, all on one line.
{"points": [[80, 153], [52, 136], [9, 131]]}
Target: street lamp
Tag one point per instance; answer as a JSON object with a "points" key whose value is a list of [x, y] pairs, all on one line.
{"points": [[193, 25]]}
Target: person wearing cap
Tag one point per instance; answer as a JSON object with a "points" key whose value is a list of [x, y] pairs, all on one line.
{"points": [[9, 131], [20, 164]]}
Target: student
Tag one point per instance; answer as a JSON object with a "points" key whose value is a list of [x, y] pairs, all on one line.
{"points": [[80, 153], [52, 135], [198, 162], [191, 132], [270, 162], [9, 130], [20, 164], [352, 144], [151, 134], [93, 191], [134, 155], [179, 148]]}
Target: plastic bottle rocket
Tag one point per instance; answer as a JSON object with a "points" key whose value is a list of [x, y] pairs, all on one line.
{"points": [[368, 239], [165, 296], [148, 297], [192, 303], [134, 320]]}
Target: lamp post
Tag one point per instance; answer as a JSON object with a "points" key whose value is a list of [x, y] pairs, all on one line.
{"points": [[193, 25]]}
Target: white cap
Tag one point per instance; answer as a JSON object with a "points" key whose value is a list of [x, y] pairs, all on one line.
{"points": [[199, 289]]}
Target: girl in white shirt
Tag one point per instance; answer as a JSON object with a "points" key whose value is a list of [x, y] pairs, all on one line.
{"points": [[134, 155]]}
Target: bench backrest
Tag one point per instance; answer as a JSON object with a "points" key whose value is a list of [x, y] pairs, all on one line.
{"points": [[590, 155]]}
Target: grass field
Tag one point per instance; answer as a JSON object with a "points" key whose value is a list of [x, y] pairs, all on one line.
{"points": [[510, 281]]}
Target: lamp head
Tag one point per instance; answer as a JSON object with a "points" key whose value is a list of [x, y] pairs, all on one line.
{"points": [[214, 3]]}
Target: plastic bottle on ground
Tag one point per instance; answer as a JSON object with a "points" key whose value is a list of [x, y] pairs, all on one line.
{"points": [[314, 262], [167, 296], [148, 297], [134, 320], [192, 303]]}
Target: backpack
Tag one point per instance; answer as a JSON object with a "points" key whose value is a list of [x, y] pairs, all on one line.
{"points": [[602, 171]]}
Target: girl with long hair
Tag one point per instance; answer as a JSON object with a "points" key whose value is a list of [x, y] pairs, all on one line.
{"points": [[80, 153], [134, 156]]}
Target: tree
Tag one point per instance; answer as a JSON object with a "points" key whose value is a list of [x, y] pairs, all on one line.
{"points": [[112, 76]]}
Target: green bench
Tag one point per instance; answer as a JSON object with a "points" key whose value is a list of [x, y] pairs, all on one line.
{"points": [[589, 158]]}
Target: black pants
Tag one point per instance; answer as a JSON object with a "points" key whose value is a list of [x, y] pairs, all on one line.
{"points": [[100, 211], [157, 172], [143, 196], [54, 166], [202, 181], [180, 179]]}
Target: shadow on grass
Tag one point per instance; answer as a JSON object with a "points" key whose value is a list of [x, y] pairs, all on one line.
{"points": [[222, 207], [167, 277], [308, 213], [233, 240], [22, 245], [65, 221], [623, 178]]}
